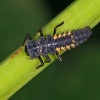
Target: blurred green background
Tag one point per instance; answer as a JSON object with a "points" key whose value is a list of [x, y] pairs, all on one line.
{"points": [[76, 78]]}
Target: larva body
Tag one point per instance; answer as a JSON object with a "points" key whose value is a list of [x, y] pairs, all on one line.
{"points": [[56, 43]]}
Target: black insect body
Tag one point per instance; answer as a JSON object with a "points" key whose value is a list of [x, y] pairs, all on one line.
{"points": [[54, 44]]}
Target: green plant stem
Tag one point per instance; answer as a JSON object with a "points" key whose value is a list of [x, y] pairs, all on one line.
{"points": [[17, 69]]}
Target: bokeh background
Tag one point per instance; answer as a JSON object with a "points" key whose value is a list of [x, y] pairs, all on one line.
{"points": [[76, 78]]}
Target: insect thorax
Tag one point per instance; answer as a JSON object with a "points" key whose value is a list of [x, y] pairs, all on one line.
{"points": [[46, 45]]}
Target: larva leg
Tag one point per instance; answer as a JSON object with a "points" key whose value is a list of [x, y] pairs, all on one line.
{"points": [[41, 61], [27, 36], [40, 32], [58, 56], [48, 59], [55, 28]]}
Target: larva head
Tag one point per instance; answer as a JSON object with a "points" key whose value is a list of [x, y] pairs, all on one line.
{"points": [[31, 49]]}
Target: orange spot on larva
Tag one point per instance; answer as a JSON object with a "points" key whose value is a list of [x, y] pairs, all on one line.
{"points": [[64, 34], [69, 33], [72, 36], [68, 47], [72, 45], [73, 41], [55, 37], [58, 49], [59, 35], [62, 48]]}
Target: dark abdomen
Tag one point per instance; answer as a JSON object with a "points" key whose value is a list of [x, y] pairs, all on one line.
{"points": [[71, 39]]}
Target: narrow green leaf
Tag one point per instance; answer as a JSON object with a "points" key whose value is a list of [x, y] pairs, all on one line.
{"points": [[17, 69]]}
